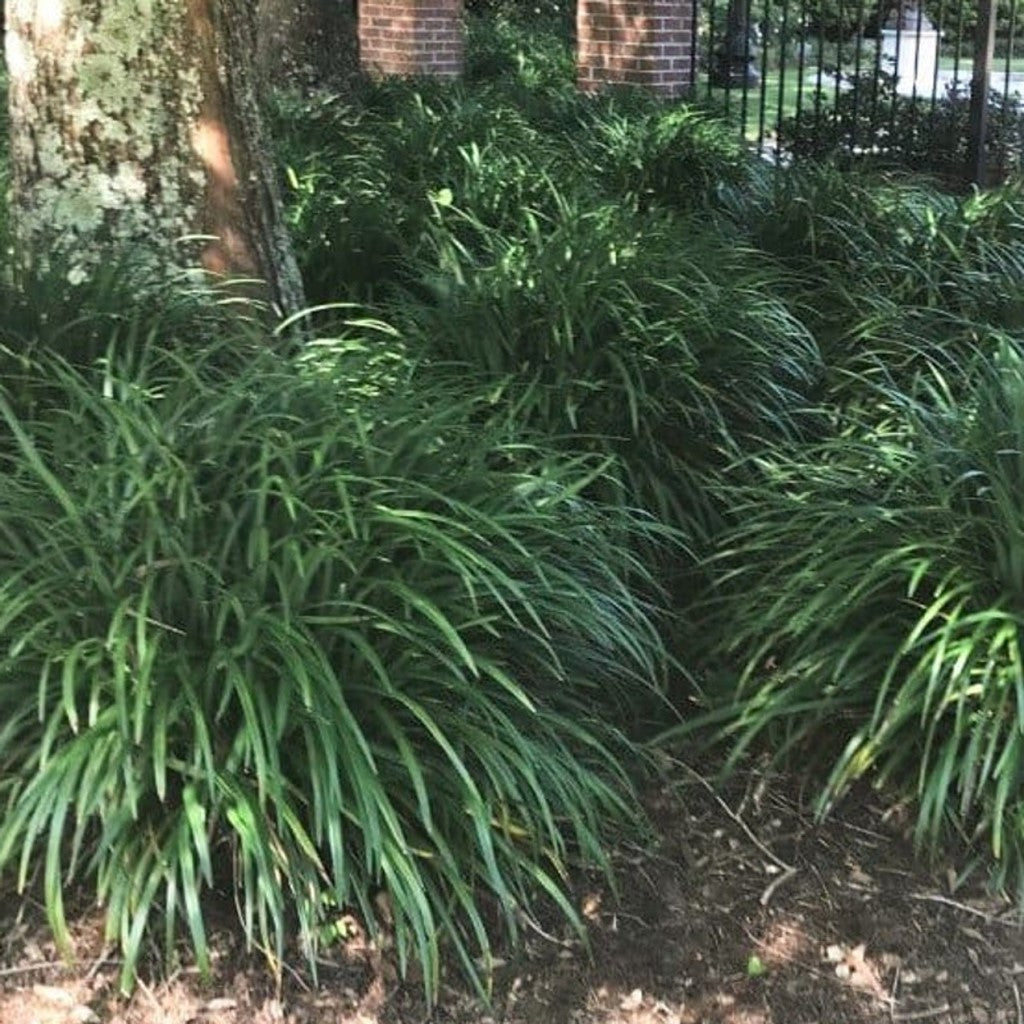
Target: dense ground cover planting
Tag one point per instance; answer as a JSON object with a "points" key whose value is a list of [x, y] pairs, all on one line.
{"points": [[785, 365], [295, 608], [599, 426]]}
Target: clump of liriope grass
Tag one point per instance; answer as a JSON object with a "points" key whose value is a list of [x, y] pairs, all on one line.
{"points": [[289, 626], [362, 171], [361, 176], [861, 238], [889, 275], [647, 153], [532, 51], [871, 598], [641, 336]]}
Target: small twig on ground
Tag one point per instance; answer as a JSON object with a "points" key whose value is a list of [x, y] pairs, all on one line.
{"points": [[826, 892], [44, 965], [98, 964], [892, 992], [148, 993], [934, 1011], [638, 867], [773, 857], [296, 977], [931, 897], [863, 831], [564, 943], [1017, 1001], [769, 891]]}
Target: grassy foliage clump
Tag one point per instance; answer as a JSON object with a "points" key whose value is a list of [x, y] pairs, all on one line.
{"points": [[789, 364], [317, 624], [640, 336], [889, 275], [563, 250], [863, 239], [865, 592], [271, 624], [364, 170], [871, 591], [370, 612], [648, 154], [533, 51]]}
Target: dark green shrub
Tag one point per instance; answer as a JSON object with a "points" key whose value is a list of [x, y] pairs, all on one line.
{"points": [[361, 177], [362, 171], [302, 628], [526, 11], [871, 123], [350, 235]]}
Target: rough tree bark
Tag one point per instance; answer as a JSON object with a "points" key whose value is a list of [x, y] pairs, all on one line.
{"points": [[135, 126], [307, 43]]}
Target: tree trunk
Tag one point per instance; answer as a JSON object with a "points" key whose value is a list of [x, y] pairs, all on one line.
{"points": [[135, 128], [307, 43]]}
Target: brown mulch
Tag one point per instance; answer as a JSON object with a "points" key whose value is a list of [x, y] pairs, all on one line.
{"points": [[745, 912]]}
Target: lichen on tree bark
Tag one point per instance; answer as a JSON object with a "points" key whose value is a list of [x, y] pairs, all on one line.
{"points": [[134, 128]]}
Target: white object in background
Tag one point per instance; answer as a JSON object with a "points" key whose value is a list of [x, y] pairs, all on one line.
{"points": [[910, 49]]}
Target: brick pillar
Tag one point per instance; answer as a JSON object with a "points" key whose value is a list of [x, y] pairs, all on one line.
{"points": [[411, 37], [635, 42]]}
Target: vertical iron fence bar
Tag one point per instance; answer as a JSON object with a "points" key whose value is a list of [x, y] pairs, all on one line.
{"points": [[821, 71], [783, 42], [957, 51], [984, 46], [762, 97], [939, 35], [838, 76], [959, 43], [940, 30], [896, 79], [727, 42], [913, 85], [747, 54], [917, 51], [801, 61], [1011, 32], [875, 87], [857, 53], [763, 92]]}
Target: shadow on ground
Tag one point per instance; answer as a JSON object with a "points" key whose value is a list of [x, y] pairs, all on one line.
{"points": [[745, 912]]}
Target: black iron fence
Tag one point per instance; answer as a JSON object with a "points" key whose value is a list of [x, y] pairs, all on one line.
{"points": [[930, 85]]}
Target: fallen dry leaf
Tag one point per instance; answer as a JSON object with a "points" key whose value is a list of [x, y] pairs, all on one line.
{"points": [[54, 995], [219, 1004], [633, 1001]]}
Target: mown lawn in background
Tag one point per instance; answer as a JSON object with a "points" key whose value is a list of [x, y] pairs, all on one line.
{"points": [[763, 111], [780, 95]]}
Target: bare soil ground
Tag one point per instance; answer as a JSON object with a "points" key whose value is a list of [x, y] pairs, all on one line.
{"points": [[745, 912]]}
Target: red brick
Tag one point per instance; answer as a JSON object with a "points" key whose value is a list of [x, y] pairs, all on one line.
{"points": [[411, 37], [640, 42]]}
